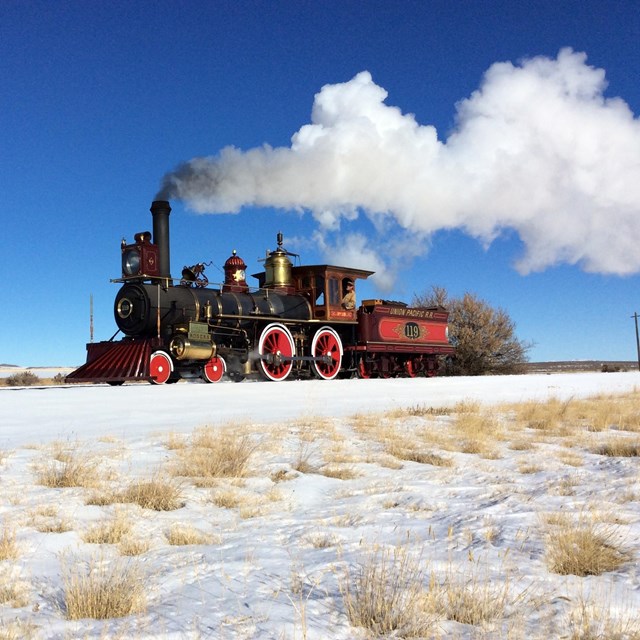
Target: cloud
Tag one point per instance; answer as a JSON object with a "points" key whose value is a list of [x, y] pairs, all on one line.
{"points": [[536, 149]]}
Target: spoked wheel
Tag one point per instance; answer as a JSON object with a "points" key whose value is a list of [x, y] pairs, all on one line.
{"points": [[326, 343], [410, 369], [160, 367], [214, 369], [274, 348], [364, 370]]}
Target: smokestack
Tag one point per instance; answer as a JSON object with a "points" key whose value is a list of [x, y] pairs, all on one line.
{"points": [[160, 210]]}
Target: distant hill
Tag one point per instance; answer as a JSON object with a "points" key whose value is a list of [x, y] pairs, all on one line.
{"points": [[581, 365], [15, 366]]}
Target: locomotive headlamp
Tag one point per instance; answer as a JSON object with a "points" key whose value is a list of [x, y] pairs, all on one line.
{"points": [[131, 262], [124, 308]]}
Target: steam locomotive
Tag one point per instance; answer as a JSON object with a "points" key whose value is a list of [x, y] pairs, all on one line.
{"points": [[296, 322]]}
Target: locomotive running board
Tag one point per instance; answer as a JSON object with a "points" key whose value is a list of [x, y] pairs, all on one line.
{"points": [[115, 362]]}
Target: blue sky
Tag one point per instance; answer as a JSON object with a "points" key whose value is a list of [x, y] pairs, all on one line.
{"points": [[102, 99]]}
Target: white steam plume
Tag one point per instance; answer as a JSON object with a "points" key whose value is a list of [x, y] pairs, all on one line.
{"points": [[537, 149]]}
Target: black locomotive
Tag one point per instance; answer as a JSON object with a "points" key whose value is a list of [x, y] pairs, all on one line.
{"points": [[300, 320]]}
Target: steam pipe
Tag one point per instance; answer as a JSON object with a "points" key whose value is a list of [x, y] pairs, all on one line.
{"points": [[160, 210]]}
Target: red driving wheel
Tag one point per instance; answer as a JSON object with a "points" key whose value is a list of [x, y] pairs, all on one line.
{"points": [[214, 369], [275, 347], [160, 367], [326, 342]]}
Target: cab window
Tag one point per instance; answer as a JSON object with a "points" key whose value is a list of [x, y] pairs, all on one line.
{"points": [[319, 291], [334, 291]]}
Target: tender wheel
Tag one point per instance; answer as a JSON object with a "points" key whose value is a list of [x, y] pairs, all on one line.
{"points": [[409, 369], [160, 367], [326, 342], [276, 343], [214, 369], [364, 370]]}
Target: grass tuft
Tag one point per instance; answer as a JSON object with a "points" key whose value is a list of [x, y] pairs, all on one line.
{"points": [[13, 591], [133, 547], [180, 535], [157, 494], [471, 599], [585, 548], [215, 453], [619, 448], [67, 468], [386, 595], [8, 546], [111, 532], [102, 590]]}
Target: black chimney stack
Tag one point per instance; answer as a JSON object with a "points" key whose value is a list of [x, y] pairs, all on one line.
{"points": [[160, 210]]}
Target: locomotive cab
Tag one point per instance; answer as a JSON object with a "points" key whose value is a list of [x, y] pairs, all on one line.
{"points": [[326, 286]]}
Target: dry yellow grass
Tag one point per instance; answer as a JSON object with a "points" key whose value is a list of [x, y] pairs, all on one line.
{"points": [[521, 444], [104, 497], [340, 472], [248, 504], [370, 425], [67, 467], [526, 466], [184, 534], [281, 475], [157, 493], [13, 591], [549, 417], [618, 447], [53, 524], [321, 540], [8, 546], [471, 596], [18, 630], [412, 451], [216, 453], [478, 432], [110, 532], [227, 498], [583, 547], [176, 441], [386, 594], [571, 458], [303, 462], [386, 460], [600, 617], [419, 411], [133, 547], [102, 589], [312, 428], [562, 418]]}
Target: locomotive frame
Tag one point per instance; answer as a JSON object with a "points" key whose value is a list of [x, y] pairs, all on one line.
{"points": [[293, 323]]}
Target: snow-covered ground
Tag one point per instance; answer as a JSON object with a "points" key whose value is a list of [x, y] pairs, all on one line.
{"points": [[278, 544]]}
